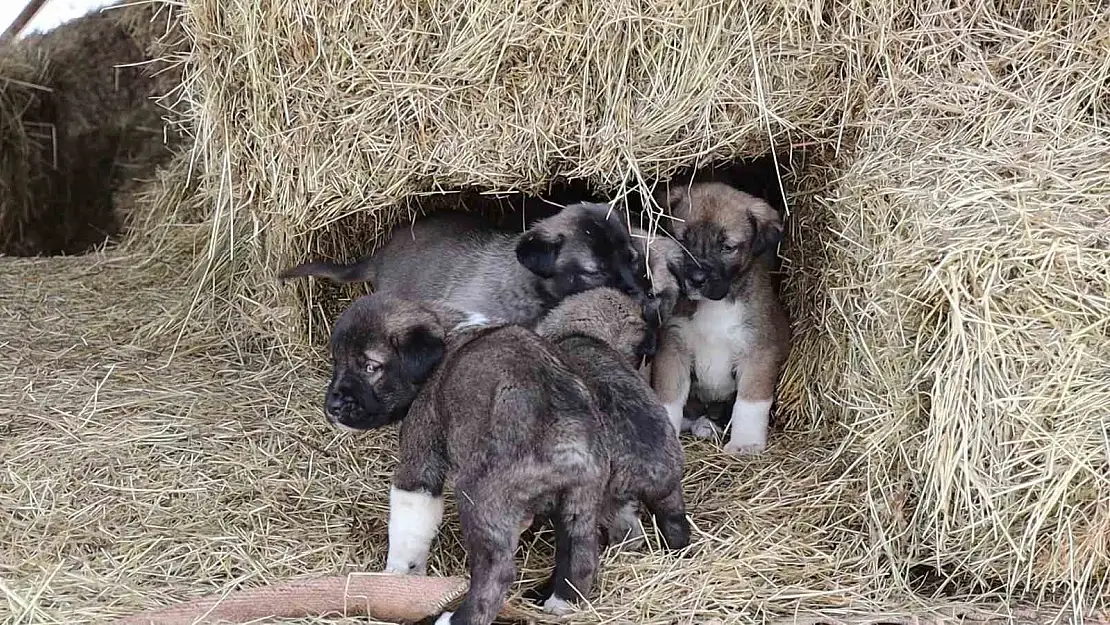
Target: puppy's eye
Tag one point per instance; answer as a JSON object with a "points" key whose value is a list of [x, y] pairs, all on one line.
{"points": [[373, 367], [729, 247]]}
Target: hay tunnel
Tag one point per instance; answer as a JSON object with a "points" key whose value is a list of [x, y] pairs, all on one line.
{"points": [[940, 450], [78, 123]]}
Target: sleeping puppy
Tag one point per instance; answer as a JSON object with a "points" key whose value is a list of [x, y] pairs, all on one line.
{"points": [[493, 407], [597, 334], [510, 277], [736, 339]]}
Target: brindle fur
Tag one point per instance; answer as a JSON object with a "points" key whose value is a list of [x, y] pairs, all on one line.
{"points": [[494, 407], [597, 334]]}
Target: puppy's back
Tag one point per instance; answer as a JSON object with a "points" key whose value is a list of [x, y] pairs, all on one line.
{"points": [[508, 391]]}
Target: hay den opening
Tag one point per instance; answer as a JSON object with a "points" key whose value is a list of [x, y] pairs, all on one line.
{"points": [[939, 449]]}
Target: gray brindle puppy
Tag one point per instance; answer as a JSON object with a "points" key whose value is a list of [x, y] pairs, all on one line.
{"points": [[506, 276], [597, 333], [495, 408]]}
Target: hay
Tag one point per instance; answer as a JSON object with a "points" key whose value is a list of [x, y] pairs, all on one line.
{"points": [[952, 309], [319, 124], [76, 125], [942, 440]]}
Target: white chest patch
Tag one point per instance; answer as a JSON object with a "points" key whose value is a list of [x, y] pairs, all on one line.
{"points": [[473, 320], [716, 336]]}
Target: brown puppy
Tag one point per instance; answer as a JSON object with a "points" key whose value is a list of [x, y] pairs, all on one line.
{"points": [[736, 339]]}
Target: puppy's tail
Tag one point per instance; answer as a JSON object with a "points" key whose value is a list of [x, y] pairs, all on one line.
{"points": [[361, 271]]}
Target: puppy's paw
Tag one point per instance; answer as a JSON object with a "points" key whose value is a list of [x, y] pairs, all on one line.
{"points": [[702, 427], [744, 448], [407, 568], [558, 607], [625, 530], [444, 619]]}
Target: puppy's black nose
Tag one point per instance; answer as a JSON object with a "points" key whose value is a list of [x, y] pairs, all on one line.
{"points": [[335, 402], [698, 277]]}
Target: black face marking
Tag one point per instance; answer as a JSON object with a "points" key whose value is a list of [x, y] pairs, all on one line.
{"points": [[714, 261], [360, 399], [610, 246]]}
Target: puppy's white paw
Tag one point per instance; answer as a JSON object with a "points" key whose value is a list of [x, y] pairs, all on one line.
{"points": [[407, 568], [558, 607], [702, 427], [444, 619], [626, 531], [745, 449]]}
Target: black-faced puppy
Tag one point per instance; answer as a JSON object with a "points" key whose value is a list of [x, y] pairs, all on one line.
{"points": [[506, 276], [736, 339], [494, 408], [598, 333]]}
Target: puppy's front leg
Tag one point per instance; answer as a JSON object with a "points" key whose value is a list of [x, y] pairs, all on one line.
{"points": [[670, 377], [751, 411], [416, 497], [414, 518]]}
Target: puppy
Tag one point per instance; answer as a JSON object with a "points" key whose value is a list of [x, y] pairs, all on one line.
{"points": [[736, 340], [663, 260], [492, 406], [597, 334], [510, 277]]}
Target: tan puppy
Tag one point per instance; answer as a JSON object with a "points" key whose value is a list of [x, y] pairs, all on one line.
{"points": [[735, 341]]}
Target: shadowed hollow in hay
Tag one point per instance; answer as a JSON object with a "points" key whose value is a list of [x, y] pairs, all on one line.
{"points": [[76, 124]]}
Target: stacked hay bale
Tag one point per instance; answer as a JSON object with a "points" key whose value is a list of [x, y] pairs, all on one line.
{"points": [[959, 332], [947, 268], [77, 123]]}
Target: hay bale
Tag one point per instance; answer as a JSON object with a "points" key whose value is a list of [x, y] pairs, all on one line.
{"points": [[951, 311], [75, 127], [321, 123]]}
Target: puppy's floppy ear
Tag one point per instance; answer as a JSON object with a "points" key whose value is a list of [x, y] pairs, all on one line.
{"points": [[538, 252], [766, 228], [420, 350], [670, 197]]}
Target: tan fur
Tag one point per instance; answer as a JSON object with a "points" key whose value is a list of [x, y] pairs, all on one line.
{"points": [[733, 344]]}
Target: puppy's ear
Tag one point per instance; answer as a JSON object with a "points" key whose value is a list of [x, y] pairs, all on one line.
{"points": [[766, 228], [420, 350], [538, 252], [671, 198]]}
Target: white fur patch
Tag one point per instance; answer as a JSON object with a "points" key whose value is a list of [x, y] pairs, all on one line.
{"points": [[414, 518], [674, 413], [473, 320], [748, 427], [445, 618], [716, 334], [345, 428], [703, 427], [558, 607]]}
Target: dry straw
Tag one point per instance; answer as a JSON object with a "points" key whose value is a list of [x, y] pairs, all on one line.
{"points": [[76, 124], [943, 445]]}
